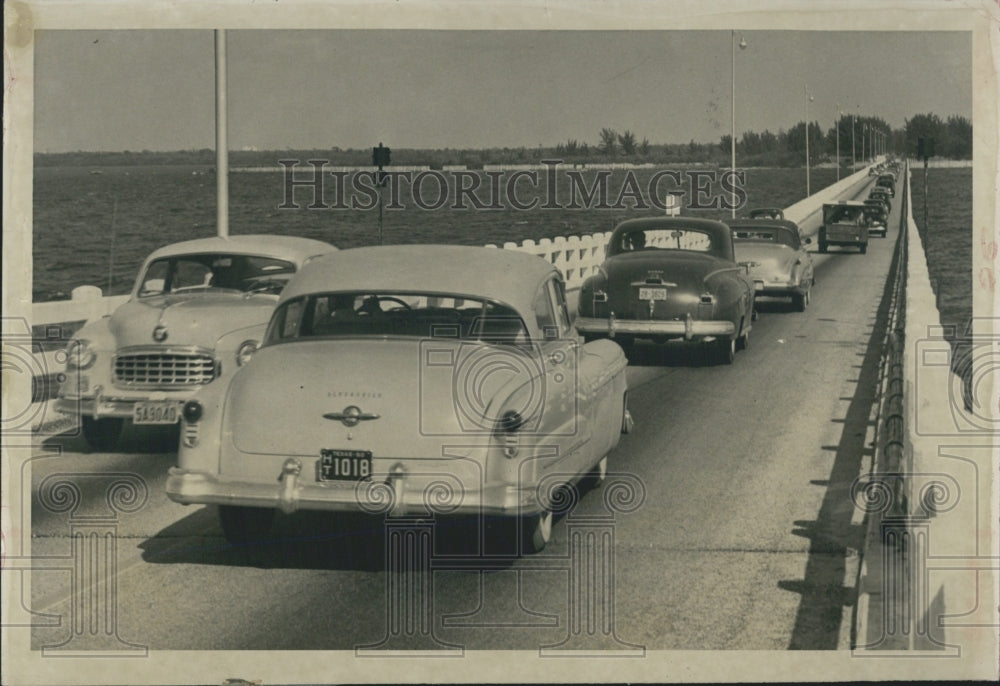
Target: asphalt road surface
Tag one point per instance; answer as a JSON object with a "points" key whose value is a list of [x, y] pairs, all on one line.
{"points": [[743, 535]]}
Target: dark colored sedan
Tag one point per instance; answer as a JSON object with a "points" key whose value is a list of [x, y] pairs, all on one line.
{"points": [[670, 277]]}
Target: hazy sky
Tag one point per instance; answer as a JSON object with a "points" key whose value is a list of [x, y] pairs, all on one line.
{"points": [[148, 89]]}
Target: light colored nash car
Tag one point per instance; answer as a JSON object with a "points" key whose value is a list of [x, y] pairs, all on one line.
{"points": [[777, 258], [197, 311], [408, 380]]}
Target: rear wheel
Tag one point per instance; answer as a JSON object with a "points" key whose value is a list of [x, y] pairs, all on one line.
{"points": [[800, 301], [103, 434], [596, 476], [743, 342], [725, 349], [242, 525], [627, 343], [822, 242], [864, 248], [536, 532]]}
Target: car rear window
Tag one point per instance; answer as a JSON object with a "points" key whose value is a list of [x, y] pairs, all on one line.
{"points": [[661, 239], [418, 315], [765, 235]]}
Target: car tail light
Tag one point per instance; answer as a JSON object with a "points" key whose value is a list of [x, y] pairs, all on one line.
{"points": [[507, 426]]}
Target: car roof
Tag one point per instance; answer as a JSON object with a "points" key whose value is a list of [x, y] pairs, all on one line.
{"points": [[290, 248], [845, 203], [507, 276]]}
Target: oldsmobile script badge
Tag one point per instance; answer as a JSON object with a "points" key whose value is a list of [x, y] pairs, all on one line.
{"points": [[351, 415]]}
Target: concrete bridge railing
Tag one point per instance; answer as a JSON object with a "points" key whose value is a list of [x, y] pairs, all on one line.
{"points": [[930, 489]]}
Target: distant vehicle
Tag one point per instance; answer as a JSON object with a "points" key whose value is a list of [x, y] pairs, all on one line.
{"points": [[395, 379], [887, 181], [767, 213], [777, 258], [670, 277], [844, 225], [198, 310], [882, 194], [877, 216]]}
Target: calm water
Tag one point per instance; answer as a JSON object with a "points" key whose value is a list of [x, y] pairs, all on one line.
{"points": [[947, 238], [84, 215]]}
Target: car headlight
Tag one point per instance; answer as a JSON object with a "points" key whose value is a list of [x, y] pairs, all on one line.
{"points": [[245, 352], [79, 354]]}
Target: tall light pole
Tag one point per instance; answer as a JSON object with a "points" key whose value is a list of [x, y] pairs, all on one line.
{"points": [[808, 98], [839, 115], [854, 159], [732, 133], [221, 138]]}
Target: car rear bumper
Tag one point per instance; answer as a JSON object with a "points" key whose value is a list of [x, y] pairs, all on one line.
{"points": [[687, 328], [398, 495], [779, 288]]}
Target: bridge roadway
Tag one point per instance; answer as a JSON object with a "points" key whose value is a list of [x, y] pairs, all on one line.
{"points": [[747, 537]]}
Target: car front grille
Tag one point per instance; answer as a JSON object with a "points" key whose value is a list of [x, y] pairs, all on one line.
{"points": [[164, 368]]}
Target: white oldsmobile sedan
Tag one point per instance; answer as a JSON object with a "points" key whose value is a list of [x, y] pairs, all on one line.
{"points": [[408, 380], [197, 310]]}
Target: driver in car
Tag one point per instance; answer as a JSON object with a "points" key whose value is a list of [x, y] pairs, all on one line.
{"points": [[637, 240]]}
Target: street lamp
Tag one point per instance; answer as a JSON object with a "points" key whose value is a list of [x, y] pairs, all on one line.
{"points": [[839, 115], [854, 159], [808, 98], [732, 133]]}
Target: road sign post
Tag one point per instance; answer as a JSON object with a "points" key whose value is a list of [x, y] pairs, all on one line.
{"points": [[380, 158]]}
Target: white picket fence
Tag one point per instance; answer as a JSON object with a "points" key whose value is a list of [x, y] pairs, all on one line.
{"points": [[579, 257]]}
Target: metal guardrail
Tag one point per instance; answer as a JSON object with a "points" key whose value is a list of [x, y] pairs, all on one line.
{"points": [[882, 493]]}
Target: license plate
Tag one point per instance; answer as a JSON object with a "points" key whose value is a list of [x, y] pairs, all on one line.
{"points": [[344, 465], [652, 294], [163, 412], [758, 285]]}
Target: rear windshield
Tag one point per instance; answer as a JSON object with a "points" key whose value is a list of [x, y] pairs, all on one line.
{"points": [[215, 271], [347, 314], [765, 235], [661, 239], [843, 214]]}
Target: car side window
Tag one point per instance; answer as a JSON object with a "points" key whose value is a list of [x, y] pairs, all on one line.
{"points": [[545, 315], [557, 294]]}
